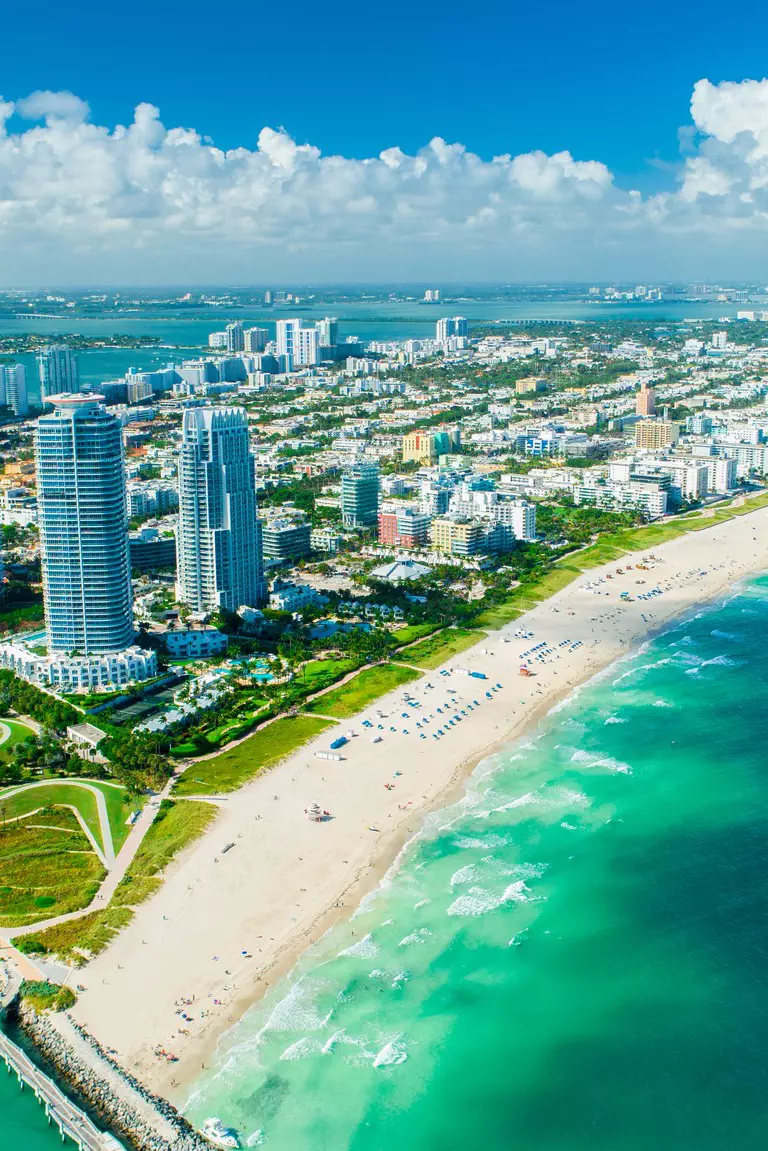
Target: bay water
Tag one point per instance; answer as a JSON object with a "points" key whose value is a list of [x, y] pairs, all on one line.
{"points": [[572, 957]]}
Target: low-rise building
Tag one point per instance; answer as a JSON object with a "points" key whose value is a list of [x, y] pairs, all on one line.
{"points": [[286, 540], [193, 642], [149, 551], [80, 672]]}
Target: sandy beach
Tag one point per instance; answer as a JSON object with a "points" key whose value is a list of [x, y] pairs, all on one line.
{"points": [[225, 927]]}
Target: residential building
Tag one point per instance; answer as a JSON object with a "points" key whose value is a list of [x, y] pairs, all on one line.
{"points": [[255, 339], [451, 326], [359, 501], [645, 401], [403, 527], [299, 343], [57, 370], [721, 474], [325, 540], [194, 642], [149, 551], [328, 332], [13, 388], [286, 540], [219, 547], [79, 672], [529, 385], [82, 516], [457, 537], [427, 447], [294, 597], [653, 435], [235, 337]]}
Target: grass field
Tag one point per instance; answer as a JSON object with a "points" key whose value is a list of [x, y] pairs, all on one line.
{"points": [[413, 632], [19, 732], [353, 696], [231, 769], [438, 648], [47, 867], [66, 793], [176, 826], [321, 673]]}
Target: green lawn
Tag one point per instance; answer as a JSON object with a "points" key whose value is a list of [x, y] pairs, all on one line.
{"points": [[439, 648], [353, 696], [231, 769], [57, 793], [321, 673], [47, 867], [19, 732], [176, 826], [413, 632]]}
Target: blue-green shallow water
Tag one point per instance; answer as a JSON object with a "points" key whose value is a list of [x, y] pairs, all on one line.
{"points": [[571, 958], [23, 1126]]}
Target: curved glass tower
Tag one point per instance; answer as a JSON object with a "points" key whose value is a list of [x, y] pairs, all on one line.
{"points": [[82, 520]]}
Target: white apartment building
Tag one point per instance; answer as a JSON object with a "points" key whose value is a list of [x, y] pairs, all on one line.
{"points": [[79, 672], [13, 388], [219, 549], [299, 343]]}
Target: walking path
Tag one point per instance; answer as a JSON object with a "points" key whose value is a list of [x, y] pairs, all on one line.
{"points": [[107, 856], [115, 874]]}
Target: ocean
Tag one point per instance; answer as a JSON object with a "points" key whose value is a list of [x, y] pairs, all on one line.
{"points": [[571, 958]]}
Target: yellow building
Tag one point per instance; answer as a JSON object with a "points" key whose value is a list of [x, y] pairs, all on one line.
{"points": [[419, 447], [456, 537], [530, 384], [653, 435]]}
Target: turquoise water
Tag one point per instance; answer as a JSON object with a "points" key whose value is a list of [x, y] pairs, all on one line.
{"points": [[572, 958], [23, 1126]]}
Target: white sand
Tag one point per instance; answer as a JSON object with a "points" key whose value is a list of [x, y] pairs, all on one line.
{"points": [[287, 879]]}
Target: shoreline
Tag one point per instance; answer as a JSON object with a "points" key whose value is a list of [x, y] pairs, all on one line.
{"points": [[214, 946]]}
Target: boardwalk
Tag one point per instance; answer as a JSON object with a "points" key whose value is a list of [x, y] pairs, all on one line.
{"points": [[70, 1120]]}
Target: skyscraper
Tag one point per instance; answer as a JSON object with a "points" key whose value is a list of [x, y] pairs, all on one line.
{"points": [[328, 332], [13, 388], [451, 326], [82, 520], [298, 342], [255, 339], [57, 371], [235, 337], [219, 547], [360, 496]]}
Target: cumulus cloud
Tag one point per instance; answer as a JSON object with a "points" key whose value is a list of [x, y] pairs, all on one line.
{"points": [[144, 202]]}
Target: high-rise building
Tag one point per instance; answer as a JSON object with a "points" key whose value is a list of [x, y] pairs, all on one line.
{"points": [[299, 343], [82, 520], [451, 326], [268, 297], [360, 496], [645, 401], [286, 540], [653, 435], [13, 388], [57, 371], [219, 542], [255, 339], [328, 332], [404, 528], [235, 337]]}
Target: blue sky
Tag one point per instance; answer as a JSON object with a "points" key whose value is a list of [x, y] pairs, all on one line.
{"points": [[607, 82]]}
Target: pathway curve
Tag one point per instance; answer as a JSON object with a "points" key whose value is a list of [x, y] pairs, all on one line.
{"points": [[107, 856], [115, 875]]}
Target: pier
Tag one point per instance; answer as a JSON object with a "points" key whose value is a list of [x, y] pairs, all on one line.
{"points": [[73, 1123]]}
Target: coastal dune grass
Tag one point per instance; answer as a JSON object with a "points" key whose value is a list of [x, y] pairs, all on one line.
{"points": [[47, 868], [437, 649], [266, 747], [176, 825], [67, 793], [357, 693]]}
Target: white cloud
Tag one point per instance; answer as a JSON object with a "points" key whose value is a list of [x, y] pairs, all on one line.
{"points": [[144, 203]]}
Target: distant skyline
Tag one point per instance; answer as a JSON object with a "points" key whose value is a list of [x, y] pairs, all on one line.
{"points": [[499, 144]]}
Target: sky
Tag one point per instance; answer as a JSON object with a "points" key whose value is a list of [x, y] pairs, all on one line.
{"points": [[167, 142]]}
